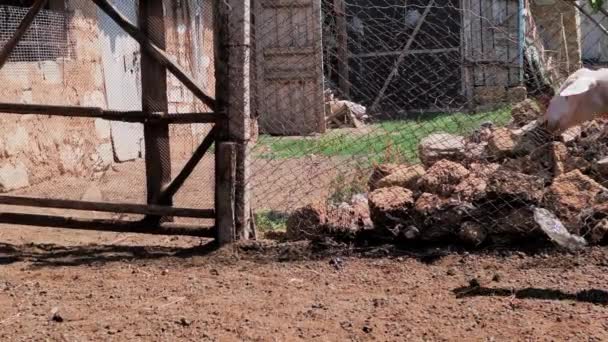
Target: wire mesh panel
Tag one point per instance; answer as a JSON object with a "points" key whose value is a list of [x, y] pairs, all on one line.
{"points": [[76, 55], [433, 118]]}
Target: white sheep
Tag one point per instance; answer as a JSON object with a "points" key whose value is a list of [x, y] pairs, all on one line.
{"points": [[582, 97]]}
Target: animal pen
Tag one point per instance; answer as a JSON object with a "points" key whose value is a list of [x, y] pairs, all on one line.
{"points": [[406, 119], [87, 98]]}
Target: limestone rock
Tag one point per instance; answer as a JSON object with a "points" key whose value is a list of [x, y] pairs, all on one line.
{"points": [[442, 177], [405, 177], [439, 146]]}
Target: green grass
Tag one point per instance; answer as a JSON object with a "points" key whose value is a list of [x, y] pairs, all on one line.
{"points": [[391, 139], [270, 221]]}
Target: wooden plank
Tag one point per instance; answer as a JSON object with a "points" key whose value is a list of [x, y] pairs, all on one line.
{"points": [[475, 42], [315, 37], [513, 48], [487, 41], [154, 88], [96, 112], [284, 3], [225, 192], [342, 41], [139, 227], [155, 51], [402, 55], [282, 51], [397, 53], [466, 52], [500, 40], [24, 25], [125, 208], [170, 190]]}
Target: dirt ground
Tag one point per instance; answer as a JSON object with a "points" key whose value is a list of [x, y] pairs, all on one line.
{"points": [[58, 285]]}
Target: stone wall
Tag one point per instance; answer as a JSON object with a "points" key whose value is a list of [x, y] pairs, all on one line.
{"points": [[36, 148]]}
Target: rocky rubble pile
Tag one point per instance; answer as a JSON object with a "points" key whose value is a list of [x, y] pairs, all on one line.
{"points": [[481, 188]]}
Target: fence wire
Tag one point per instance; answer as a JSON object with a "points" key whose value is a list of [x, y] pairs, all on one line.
{"points": [[75, 55], [426, 111]]}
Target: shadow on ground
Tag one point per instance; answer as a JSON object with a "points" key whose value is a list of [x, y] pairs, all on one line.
{"points": [[588, 296], [49, 255]]}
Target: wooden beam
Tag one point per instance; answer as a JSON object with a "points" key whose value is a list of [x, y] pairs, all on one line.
{"points": [[343, 67], [138, 227], [225, 192], [96, 112], [232, 62], [24, 25], [154, 50], [410, 52], [123, 208], [154, 90], [402, 55], [170, 190]]}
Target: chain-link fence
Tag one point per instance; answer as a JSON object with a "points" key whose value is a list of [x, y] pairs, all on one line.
{"points": [[425, 111], [74, 54]]}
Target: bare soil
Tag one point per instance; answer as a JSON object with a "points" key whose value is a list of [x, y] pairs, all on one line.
{"points": [[60, 285]]}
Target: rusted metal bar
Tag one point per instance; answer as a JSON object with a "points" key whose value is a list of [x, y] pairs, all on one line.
{"points": [[106, 225], [112, 115], [125, 208], [24, 25], [154, 50], [171, 189]]}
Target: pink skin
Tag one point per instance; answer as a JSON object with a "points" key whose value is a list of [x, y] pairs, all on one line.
{"points": [[582, 97]]}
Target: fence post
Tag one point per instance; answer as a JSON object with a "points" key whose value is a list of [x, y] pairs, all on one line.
{"points": [[154, 99], [232, 68], [225, 192]]}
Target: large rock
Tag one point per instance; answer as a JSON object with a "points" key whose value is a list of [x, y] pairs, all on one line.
{"points": [[306, 222], [510, 185], [501, 144], [389, 205], [443, 177], [570, 194], [405, 176], [13, 177], [439, 217], [441, 146], [474, 187], [525, 112], [380, 171]]}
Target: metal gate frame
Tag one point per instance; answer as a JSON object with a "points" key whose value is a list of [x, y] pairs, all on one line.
{"points": [[161, 188]]}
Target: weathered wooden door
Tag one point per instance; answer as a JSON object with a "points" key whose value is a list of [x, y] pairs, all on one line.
{"points": [[289, 63], [491, 42], [121, 64]]}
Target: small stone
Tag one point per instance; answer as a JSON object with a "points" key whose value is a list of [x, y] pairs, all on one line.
{"points": [[56, 316], [472, 233], [388, 204], [185, 322], [515, 185]]}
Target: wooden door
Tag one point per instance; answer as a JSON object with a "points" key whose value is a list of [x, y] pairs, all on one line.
{"points": [[289, 62]]}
